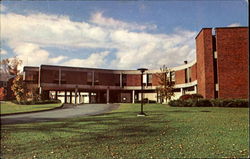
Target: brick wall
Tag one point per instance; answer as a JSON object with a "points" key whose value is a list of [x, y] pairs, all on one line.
{"points": [[180, 77], [204, 57], [232, 50], [193, 72], [133, 80]]}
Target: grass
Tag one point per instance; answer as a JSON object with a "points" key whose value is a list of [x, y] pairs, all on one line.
{"points": [[167, 132], [9, 107]]}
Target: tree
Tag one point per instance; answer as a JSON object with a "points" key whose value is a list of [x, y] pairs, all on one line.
{"points": [[19, 89], [166, 86], [12, 64], [33, 95], [2, 93]]}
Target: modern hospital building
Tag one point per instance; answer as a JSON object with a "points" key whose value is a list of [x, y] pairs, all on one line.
{"points": [[219, 71]]}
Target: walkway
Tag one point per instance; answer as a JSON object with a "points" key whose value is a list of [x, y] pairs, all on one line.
{"points": [[67, 111]]}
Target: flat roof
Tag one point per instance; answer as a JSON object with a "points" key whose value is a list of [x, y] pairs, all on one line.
{"points": [[74, 67], [221, 28], [200, 31], [230, 27]]}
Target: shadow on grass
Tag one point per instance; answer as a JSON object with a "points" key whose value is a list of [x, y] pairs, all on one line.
{"points": [[109, 126]]}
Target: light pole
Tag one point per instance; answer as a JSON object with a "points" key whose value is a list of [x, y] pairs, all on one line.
{"points": [[142, 99]]}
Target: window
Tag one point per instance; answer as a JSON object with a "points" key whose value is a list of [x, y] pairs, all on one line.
{"points": [[172, 76], [56, 76], [89, 78], [124, 80], [96, 78], [63, 78], [149, 79]]}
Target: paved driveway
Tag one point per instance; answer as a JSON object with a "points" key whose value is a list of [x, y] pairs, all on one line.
{"points": [[68, 111]]}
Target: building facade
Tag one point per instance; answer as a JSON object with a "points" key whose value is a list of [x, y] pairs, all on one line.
{"points": [[219, 71]]}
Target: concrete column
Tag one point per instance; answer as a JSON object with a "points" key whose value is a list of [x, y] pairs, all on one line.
{"points": [[157, 96], [76, 95], [182, 92], [65, 97], [195, 88], [107, 96], [133, 96], [56, 95], [70, 97], [79, 97], [89, 97]]}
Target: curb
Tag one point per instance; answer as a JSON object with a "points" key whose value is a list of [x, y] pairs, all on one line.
{"points": [[36, 111]]}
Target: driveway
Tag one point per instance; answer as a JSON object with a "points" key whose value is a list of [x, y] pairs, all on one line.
{"points": [[67, 111]]}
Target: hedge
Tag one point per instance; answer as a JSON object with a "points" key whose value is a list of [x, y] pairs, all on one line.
{"points": [[190, 96], [240, 103]]}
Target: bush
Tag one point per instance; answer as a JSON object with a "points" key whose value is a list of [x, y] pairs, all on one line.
{"points": [[181, 103], [185, 97], [197, 96], [151, 101], [230, 103], [240, 103], [202, 103], [191, 96]]}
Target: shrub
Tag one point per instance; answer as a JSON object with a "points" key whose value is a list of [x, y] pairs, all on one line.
{"points": [[197, 96], [239, 103], [181, 103], [151, 101], [202, 103], [185, 97], [191, 96], [230, 102]]}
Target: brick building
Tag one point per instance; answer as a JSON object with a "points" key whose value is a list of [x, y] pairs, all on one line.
{"points": [[219, 71]]}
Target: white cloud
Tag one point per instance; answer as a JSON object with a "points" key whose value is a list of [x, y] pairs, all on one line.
{"points": [[33, 55], [30, 35], [3, 52], [99, 19], [2, 8], [234, 25], [94, 60], [56, 60]]}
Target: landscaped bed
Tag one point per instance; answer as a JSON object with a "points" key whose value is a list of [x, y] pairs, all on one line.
{"points": [[10, 108], [167, 132]]}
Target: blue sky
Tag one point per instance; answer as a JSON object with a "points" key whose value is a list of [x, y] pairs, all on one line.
{"points": [[111, 34]]}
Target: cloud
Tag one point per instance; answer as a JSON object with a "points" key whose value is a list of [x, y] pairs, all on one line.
{"points": [[99, 19], [94, 60], [58, 59], [234, 25], [2, 8], [30, 36], [154, 50], [33, 55], [3, 52]]}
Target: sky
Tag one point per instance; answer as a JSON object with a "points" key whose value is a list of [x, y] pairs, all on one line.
{"points": [[112, 34]]}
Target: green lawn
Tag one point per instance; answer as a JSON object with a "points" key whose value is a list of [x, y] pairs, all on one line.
{"points": [[168, 132], [9, 107]]}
